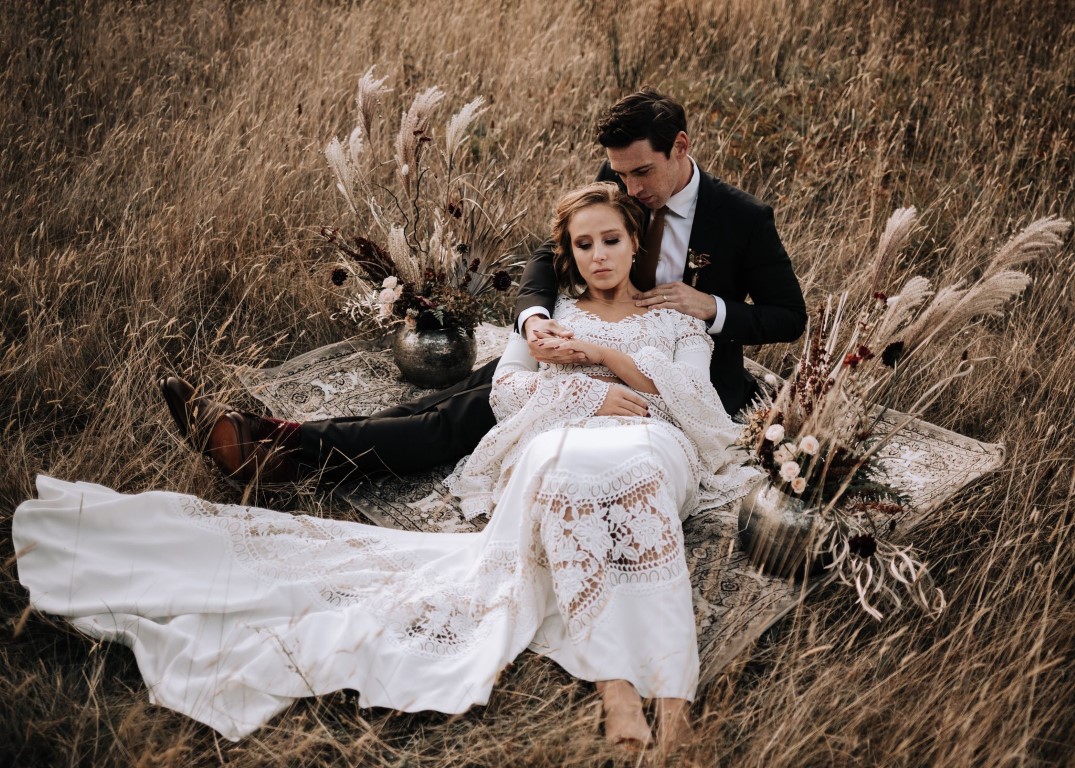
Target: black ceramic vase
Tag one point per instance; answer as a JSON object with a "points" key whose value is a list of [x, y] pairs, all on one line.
{"points": [[777, 532], [434, 359]]}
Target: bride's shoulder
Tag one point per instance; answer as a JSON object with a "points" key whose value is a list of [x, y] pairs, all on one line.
{"points": [[565, 305], [678, 319]]}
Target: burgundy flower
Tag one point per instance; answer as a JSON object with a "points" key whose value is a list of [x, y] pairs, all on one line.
{"points": [[862, 545], [501, 280], [339, 276], [892, 353]]}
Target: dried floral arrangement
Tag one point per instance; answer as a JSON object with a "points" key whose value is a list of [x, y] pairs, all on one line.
{"points": [[817, 436], [437, 247]]}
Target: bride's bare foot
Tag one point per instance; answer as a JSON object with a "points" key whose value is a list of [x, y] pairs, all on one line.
{"points": [[673, 724], [625, 724]]}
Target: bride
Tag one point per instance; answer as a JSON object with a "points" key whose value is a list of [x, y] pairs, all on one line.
{"points": [[233, 612]]}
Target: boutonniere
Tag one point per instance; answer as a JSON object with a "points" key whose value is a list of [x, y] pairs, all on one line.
{"points": [[695, 262]]}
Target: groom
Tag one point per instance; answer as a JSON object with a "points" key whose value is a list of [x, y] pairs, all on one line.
{"points": [[708, 247]]}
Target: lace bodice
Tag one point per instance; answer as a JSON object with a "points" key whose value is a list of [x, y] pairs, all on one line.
{"points": [[666, 330], [671, 333], [670, 348]]}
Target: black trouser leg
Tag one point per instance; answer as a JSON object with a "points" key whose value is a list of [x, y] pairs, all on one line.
{"points": [[413, 436]]}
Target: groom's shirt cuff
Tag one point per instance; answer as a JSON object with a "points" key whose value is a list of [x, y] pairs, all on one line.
{"points": [[718, 321], [526, 314]]}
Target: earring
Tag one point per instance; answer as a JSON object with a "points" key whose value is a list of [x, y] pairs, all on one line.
{"points": [[633, 256]]}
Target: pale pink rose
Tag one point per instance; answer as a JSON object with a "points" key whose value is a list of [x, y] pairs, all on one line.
{"points": [[798, 484], [809, 445], [783, 454], [390, 282], [789, 470], [387, 296], [775, 433]]}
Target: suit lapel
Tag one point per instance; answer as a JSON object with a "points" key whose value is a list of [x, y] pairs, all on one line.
{"points": [[704, 230]]}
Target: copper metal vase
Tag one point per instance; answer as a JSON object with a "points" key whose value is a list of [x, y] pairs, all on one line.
{"points": [[434, 359], [777, 532]]}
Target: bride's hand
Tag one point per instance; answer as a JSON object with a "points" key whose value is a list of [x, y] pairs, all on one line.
{"points": [[588, 352], [544, 339], [621, 401]]}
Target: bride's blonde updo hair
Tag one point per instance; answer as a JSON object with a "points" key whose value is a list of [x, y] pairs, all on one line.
{"points": [[568, 278]]}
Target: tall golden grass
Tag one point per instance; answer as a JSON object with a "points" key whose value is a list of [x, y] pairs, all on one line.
{"points": [[162, 187]]}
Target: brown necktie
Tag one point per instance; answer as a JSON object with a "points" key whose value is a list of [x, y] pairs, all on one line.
{"points": [[650, 252]]}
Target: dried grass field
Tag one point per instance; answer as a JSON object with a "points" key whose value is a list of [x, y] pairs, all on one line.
{"points": [[161, 190]]}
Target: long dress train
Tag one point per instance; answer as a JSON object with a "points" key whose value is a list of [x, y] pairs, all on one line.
{"points": [[233, 612]]}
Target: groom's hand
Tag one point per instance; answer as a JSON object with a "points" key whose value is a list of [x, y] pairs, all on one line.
{"points": [[681, 297], [621, 401], [545, 337]]}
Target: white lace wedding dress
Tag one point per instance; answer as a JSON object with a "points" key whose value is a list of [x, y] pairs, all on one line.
{"points": [[233, 612]]}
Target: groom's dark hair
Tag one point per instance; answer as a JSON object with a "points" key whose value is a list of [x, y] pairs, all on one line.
{"points": [[646, 114]]}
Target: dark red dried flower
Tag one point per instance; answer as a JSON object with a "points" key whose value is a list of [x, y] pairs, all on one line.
{"points": [[892, 353], [501, 280], [339, 276], [862, 545], [852, 359], [455, 210], [880, 296], [474, 265]]}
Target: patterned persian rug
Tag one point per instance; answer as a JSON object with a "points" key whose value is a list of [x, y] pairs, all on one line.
{"points": [[734, 603]]}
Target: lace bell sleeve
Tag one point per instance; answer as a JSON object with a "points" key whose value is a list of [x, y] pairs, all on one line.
{"points": [[527, 400], [514, 380], [688, 396]]}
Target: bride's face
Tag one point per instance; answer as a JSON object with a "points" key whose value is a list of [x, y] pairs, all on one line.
{"points": [[602, 247]]}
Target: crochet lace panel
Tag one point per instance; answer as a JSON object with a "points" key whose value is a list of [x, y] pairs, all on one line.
{"points": [[599, 535]]}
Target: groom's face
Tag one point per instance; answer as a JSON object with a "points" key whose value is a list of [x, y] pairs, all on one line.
{"points": [[650, 176]]}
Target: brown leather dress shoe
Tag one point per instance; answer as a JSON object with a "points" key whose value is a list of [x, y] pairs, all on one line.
{"points": [[193, 415], [244, 447]]}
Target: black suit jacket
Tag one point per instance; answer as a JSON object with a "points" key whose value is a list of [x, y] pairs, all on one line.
{"points": [[746, 258]]}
